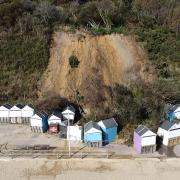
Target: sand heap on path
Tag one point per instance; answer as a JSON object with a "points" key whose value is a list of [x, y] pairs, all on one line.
{"points": [[104, 61]]}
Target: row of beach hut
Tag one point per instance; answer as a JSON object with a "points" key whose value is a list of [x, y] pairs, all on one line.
{"points": [[100, 133], [41, 122], [92, 133], [168, 133], [145, 140], [19, 114], [16, 114]]}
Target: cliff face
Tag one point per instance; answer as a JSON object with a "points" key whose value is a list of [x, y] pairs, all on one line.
{"points": [[104, 61]]}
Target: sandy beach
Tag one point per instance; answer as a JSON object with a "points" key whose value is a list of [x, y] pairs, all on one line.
{"points": [[130, 166], [90, 169]]}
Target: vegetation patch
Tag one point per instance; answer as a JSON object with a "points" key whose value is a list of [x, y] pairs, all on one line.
{"points": [[25, 31], [73, 61]]}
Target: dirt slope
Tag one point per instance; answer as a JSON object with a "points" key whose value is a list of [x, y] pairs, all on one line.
{"points": [[104, 61]]}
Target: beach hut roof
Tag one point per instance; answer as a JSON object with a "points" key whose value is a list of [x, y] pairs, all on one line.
{"points": [[57, 114], [28, 106], [8, 106], [70, 108], [166, 125], [41, 114], [90, 125], [109, 123], [142, 130], [173, 107], [20, 106]]}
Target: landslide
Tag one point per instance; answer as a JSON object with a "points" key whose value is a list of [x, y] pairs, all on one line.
{"points": [[105, 61]]}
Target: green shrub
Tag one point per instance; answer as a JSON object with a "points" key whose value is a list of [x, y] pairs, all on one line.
{"points": [[162, 46], [73, 61], [137, 103], [24, 53]]}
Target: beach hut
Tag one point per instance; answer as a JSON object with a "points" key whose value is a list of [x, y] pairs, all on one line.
{"points": [[54, 122], [144, 140], [55, 118], [69, 113], [109, 128], [92, 134], [15, 113], [170, 133], [27, 113], [173, 112], [74, 133], [4, 113], [39, 122]]}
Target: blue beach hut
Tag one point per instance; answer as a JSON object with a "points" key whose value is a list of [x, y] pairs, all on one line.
{"points": [[173, 113], [109, 128], [92, 134]]}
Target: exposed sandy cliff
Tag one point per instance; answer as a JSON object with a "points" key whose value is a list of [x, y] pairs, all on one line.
{"points": [[104, 61]]}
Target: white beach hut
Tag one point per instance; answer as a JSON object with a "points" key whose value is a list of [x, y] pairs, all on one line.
{"points": [[39, 122], [16, 113], [27, 113], [69, 113], [170, 132], [4, 113], [55, 118]]}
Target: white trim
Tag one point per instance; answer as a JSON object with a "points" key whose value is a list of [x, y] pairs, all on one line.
{"points": [[27, 108], [15, 108], [54, 117], [148, 133], [67, 111], [93, 130], [3, 108], [35, 116]]}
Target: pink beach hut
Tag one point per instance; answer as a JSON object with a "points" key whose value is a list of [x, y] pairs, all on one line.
{"points": [[144, 140]]}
